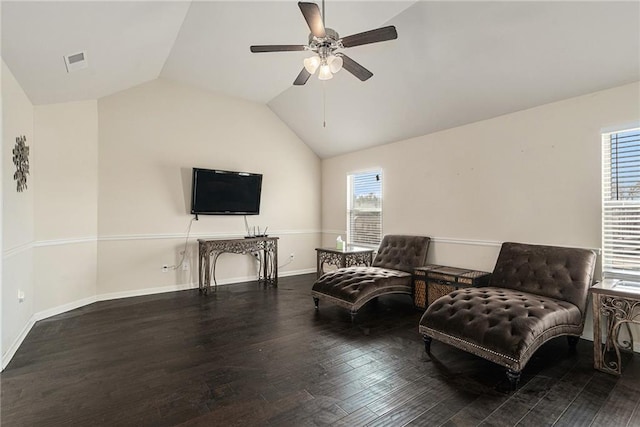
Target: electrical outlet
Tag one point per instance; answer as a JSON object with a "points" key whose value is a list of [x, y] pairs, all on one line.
{"points": [[292, 256], [185, 266], [165, 268], [20, 296]]}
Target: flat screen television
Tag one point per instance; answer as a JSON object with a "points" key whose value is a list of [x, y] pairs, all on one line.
{"points": [[218, 192]]}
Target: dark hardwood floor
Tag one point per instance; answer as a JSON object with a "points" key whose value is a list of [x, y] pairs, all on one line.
{"points": [[249, 355]]}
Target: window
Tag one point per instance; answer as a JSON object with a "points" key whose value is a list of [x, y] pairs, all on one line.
{"points": [[621, 203], [364, 208]]}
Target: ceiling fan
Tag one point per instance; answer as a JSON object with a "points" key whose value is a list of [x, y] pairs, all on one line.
{"points": [[325, 43]]}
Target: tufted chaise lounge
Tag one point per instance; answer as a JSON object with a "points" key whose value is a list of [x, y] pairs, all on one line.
{"points": [[535, 293], [391, 273]]}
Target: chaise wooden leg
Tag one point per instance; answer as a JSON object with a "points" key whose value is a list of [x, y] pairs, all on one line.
{"points": [[427, 343], [514, 377], [316, 301], [573, 342], [353, 316]]}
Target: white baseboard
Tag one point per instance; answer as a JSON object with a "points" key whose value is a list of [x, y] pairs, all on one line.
{"points": [[192, 285], [145, 291], [296, 272], [54, 311], [15, 345]]}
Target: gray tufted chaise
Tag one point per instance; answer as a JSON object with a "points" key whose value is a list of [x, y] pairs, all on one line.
{"points": [[536, 293], [391, 273]]}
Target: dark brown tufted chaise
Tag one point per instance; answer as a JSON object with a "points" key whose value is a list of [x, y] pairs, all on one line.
{"points": [[391, 273], [535, 293]]}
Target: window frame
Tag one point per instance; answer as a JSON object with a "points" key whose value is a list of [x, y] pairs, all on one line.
{"points": [[350, 209], [615, 209]]}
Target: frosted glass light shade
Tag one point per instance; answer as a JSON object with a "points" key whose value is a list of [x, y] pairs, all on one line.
{"points": [[335, 63], [325, 72], [311, 64]]}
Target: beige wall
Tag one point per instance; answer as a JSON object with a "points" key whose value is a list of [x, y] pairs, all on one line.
{"points": [[2, 68], [109, 203], [531, 176], [17, 216], [66, 203], [150, 138]]}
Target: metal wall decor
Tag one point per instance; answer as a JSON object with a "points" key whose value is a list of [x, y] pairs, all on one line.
{"points": [[21, 160]]}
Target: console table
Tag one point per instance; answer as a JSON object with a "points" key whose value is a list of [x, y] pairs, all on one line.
{"points": [[264, 248], [615, 303], [341, 258]]}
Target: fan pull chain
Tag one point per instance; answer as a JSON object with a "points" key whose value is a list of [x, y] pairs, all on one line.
{"points": [[324, 106]]}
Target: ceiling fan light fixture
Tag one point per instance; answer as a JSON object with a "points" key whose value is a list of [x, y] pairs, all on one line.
{"points": [[324, 42], [312, 63], [335, 63], [325, 72]]}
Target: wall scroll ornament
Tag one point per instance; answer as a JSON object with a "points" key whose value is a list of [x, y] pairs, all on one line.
{"points": [[21, 160]]}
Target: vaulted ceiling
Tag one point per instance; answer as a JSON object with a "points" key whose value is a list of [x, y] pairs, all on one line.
{"points": [[453, 63]]}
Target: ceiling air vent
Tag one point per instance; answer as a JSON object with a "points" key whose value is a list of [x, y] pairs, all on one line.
{"points": [[76, 61]]}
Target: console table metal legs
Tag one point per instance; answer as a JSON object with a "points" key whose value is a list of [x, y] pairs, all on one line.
{"points": [[265, 249], [613, 308]]}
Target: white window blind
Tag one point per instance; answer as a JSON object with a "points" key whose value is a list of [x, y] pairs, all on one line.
{"points": [[621, 203], [364, 208]]}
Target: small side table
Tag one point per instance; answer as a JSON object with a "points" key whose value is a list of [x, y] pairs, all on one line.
{"points": [[350, 256], [614, 303], [433, 281]]}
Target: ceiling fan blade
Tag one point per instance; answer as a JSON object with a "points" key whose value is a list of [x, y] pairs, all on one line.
{"points": [[372, 36], [302, 77], [311, 13], [277, 48], [354, 68]]}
